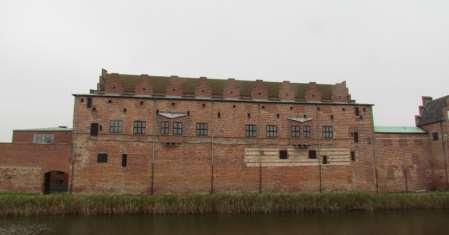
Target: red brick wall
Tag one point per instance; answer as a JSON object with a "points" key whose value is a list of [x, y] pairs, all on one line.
{"points": [[196, 165], [32, 161], [439, 154], [27, 136], [403, 162]]}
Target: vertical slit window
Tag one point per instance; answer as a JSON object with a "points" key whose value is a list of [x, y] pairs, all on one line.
{"points": [[355, 136], [352, 156], [89, 102], [93, 129], [325, 160], [124, 160]]}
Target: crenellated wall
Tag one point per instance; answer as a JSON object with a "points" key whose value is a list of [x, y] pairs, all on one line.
{"points": [[203, 87]]}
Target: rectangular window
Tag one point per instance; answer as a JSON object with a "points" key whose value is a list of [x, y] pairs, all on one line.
{"points": [[165, 127], [357, 111], [312, 154], [435, 136], [352, 156], [102, 158], [272, 131], [89, 102], [201, 129], [250, 130], [139, 127], [328, 132], [115, 126], [307, 131], [124, 160], [325, 161], [283, 154], [296, 131], [43, 138], [355, 136], [93, 129], [177, 128]]}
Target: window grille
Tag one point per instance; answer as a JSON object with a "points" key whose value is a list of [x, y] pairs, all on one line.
{"points": [[115, 126], [43, 138], [250, 130], [165, 128], [272, 131], [139, 127], [177, 128], [328, 132], [296, 131], [201, 129]]}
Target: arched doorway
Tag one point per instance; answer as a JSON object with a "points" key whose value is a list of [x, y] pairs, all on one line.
{"points": [[55, 182]]}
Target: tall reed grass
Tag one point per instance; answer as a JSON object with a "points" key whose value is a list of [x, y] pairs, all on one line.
{"points": [[219, 203]]}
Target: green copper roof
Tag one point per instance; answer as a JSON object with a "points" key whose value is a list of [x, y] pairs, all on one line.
{"points": [[398, 129]]}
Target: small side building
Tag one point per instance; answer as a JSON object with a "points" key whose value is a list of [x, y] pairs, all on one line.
{"points": [[37, 160], [403, 159], [434, 119]]}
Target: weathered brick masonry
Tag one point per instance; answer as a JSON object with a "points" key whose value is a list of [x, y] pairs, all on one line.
{"points": [[403, 162], [24, 163], [140, 134], [226, 158]]}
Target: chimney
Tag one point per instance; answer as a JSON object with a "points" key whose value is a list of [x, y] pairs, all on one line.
{"points": [[426, 100]]}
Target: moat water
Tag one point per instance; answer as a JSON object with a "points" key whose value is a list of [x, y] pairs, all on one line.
{"points": [[407, 223]]}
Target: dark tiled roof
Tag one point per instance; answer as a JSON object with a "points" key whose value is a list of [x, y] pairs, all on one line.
{"points": [[160, 83], [433, 112]]}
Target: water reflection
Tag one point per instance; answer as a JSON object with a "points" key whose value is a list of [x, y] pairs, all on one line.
{"points": [[422, 222]]}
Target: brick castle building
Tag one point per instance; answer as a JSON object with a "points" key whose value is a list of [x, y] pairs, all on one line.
{"points": [[140, 134]]}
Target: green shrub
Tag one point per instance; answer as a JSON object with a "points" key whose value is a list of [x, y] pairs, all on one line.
{"points": [[13, 204]]}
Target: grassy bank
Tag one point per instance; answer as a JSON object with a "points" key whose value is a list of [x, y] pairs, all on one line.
{"points": [[65, 204]]}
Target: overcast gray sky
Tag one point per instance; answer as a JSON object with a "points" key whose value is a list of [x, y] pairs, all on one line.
{"points": [[391, 52]]}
